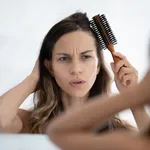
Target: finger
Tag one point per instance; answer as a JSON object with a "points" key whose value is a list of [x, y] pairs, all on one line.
{"points": [[124, 71], [128, 79], [119, 64], [121, 56]]}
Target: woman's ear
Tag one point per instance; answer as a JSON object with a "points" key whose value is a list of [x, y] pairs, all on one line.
{"points": [[48, 65]]}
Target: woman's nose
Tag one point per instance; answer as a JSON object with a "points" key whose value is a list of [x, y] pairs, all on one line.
{"points": [[76, 68]]}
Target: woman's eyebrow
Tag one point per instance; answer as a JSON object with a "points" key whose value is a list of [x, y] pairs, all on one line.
{"points": [[65, 54], [84, 52], [87, 51]]}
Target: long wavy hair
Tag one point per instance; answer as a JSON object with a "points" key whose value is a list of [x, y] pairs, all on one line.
{"points": [[47, 103]]}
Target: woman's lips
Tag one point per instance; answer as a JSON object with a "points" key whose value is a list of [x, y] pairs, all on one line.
{"points": [[77, 83]]}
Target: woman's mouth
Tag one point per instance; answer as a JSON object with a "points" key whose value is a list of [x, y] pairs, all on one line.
{"points": [[77, 83]]}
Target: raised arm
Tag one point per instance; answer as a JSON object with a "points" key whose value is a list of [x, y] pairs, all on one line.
{"points": [[125, 77], [12, 99], [71, 130]]}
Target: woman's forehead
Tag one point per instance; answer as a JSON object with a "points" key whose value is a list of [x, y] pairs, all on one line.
{"points": [[80, 40]]}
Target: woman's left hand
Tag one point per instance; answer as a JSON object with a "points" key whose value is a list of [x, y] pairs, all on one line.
{"points": [[125, 74]]}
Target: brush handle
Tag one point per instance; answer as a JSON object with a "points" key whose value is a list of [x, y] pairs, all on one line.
{"points": [[116, 59], [111, 49]]}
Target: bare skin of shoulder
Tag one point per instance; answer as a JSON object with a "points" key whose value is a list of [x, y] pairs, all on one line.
{"points": [[24, 116], [20, 124]]}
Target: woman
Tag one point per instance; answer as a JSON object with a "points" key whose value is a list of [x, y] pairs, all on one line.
{"points": [[72, 131], [70, 70]]}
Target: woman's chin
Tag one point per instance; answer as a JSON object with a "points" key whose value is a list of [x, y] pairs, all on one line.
{"points": [[78, 94]]}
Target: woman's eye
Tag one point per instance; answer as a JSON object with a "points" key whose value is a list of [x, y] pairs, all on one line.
{"points": [[86, 57], [64, 58]]}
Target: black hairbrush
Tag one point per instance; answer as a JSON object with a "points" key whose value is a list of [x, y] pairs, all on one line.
{"points": [[103, 31]]}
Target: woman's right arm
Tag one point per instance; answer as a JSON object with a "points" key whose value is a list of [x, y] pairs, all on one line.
{"points": [[12, 99]]}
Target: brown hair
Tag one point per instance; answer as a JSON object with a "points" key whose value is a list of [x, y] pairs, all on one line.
{"points": [[48, 103]]}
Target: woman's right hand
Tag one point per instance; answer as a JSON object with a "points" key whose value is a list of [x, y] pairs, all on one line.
{"points": [[35, 75]]}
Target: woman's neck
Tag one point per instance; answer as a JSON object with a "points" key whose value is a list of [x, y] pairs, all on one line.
{"points": [[69, 101]]}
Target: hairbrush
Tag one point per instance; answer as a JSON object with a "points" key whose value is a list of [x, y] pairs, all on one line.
{"points": [[107, 40], [104, 34]]}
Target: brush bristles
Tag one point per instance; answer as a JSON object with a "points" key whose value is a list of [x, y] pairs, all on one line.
{"points": [[98, 35], [103, 31], [108, 30]]}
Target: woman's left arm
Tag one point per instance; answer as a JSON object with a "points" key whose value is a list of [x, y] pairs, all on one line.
{"points": [[71, 131], [118, 140], [125, 77], [141, 117]]}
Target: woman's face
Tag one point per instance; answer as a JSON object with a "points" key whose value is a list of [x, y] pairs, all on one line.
{"points": [[75, 63]]}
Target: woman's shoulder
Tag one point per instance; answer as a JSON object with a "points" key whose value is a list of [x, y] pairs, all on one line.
{"points": [[24, 115], [24, 112]]}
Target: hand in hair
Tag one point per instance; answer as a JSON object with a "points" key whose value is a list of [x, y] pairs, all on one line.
{"points": [[10, 120], [35, 74], [125, 74]]}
